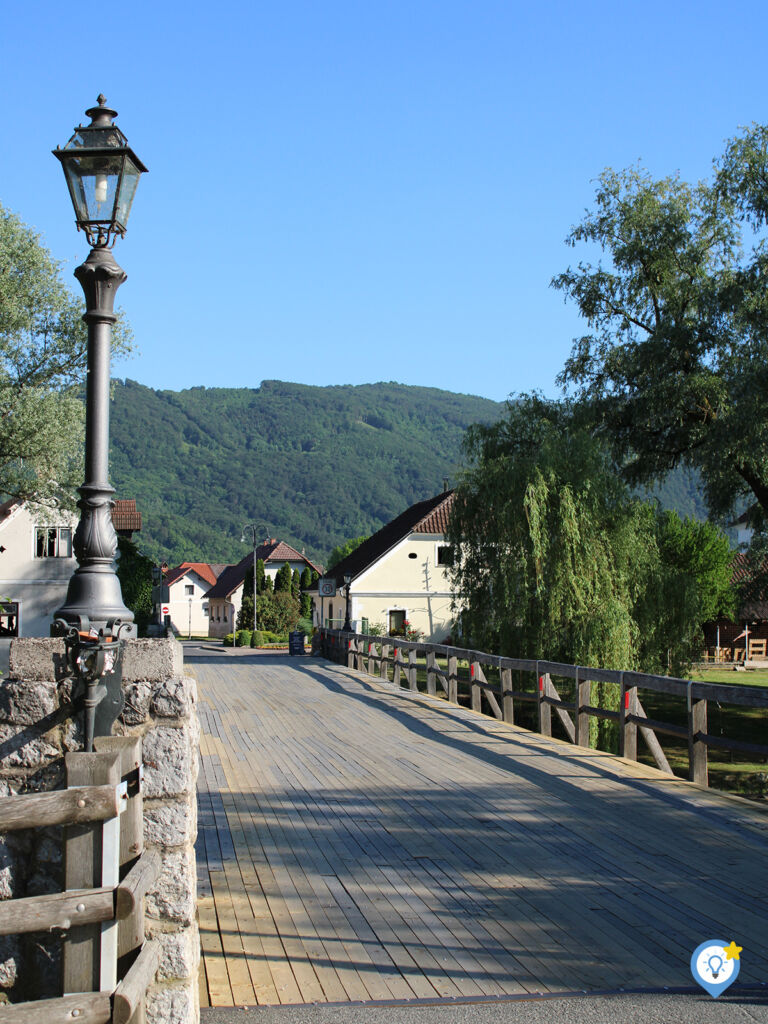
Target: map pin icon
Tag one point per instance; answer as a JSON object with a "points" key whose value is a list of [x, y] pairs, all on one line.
{"points": [[715, 965]]}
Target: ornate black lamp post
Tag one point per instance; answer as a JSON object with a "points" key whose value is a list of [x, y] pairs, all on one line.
{"points": [[254, 528], [102, 173], [347, 624]]}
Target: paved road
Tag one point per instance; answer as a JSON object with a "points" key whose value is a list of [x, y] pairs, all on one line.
{"points": [[358, 842], [625, 1009]]}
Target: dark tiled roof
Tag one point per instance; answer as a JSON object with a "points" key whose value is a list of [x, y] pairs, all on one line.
{"points": [[125, 515], [279, 551], [231, 578], [429, 516]]}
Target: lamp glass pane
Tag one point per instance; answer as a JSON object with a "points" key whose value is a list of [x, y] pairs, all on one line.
{"points": [[93, 182], [127, 191]]}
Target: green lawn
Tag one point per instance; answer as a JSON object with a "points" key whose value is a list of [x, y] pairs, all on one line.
{"points": [[750, 677]]}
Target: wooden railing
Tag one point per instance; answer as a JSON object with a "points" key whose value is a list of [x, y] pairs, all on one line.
{"points": [[463, 671], [107, 964]]}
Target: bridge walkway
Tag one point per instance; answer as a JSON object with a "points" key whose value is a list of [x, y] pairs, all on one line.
{"points": [[360, 842]]}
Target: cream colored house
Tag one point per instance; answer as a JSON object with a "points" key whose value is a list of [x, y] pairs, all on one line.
{"points": [[187, 604], [399, 575], [37, 561]]}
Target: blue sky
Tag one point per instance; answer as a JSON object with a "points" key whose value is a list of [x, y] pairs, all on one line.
{"points": [[343, 192]]}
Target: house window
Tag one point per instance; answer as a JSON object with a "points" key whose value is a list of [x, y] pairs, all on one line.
{"points": [[205, 610], [189, 589], [444, 554], [9, 618], [53, 542], [396, 623]]}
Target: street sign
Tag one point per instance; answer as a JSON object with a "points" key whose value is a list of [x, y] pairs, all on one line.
{"points": [[166, 609], [327, 587]]}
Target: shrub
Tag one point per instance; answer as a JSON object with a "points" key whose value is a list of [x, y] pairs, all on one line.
{"points": [[244, 637], [227, 641]]}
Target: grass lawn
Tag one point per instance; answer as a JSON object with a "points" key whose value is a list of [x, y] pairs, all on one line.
{"points": [[750, 677]]}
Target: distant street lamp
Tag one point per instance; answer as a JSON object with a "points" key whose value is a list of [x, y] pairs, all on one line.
{"points": [[102, 173], [254, 528], [347, 624]]}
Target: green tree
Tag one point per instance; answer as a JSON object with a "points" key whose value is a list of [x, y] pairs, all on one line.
{"points": [[675, 367], [342, 550], [283, 579], [296, 583], [260, 574], [278, 612], [43, 348], [557, 561], [134, 570]]}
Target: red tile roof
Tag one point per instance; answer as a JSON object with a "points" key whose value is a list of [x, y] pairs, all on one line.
{"points": [[203, 569], [125, 515]]}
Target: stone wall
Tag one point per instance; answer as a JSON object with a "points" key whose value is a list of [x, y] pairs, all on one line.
{"points": [[36, 730]]}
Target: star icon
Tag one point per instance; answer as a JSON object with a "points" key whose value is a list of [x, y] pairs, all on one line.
{"points": [[732, 951]]}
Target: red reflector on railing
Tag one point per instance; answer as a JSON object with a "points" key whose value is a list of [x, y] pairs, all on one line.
{"points": [[541, 682], [626, 701], [472, 671]]}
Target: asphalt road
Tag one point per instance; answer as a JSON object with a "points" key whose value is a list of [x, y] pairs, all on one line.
{"points": [[630, 1008]]}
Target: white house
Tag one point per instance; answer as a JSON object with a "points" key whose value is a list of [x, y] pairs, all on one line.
{"points": [[226, 596], [37, 561], [187, 603], [398, 575]]}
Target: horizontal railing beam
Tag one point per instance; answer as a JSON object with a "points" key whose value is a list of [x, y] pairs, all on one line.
{"points": [[72, 806], [63, 910]]}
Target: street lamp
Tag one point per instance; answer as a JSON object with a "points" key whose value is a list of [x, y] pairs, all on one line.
{"points": [[101, 172], [253, 527], [347, 624]]}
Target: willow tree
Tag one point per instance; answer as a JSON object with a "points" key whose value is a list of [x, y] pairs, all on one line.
{"points": [[557, 561]]}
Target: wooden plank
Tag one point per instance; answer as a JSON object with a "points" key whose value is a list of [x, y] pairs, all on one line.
{"points": [[562, 714], [649, 736], [130, 993], [431, 660], [133, 888], [543, 708], [628, 728], [77, 805], [62, 910], [581, 717], [84, 1007], [83, 870], [453, 680], [412, 671]]}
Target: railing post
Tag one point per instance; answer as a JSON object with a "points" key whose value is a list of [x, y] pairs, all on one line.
{"points": [[545, 709], [627, 729], [397, 659], [413, 677], [131, 928], [431, 687], [581, 718], [697, 750], [507, 702], [384, 663], [475, 689], [453, 679], [85, 968]]}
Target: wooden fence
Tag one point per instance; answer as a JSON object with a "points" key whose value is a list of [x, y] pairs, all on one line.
{"points": [[396, 659], [107, 964]]}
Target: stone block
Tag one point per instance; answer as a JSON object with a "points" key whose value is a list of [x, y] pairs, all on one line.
{"points": [[137, 696], [169, 824], [173, 897], [25, 703], [168, 761], [180, 954], [173, 698], [25, 747], [10, 955], [152, 660], [174, 1005], [38, 659]]}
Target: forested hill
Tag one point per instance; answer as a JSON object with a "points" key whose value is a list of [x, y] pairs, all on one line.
{"points": [[316, 465]]}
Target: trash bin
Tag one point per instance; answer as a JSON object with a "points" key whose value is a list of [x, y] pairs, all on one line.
{"points": [[296, 642]]}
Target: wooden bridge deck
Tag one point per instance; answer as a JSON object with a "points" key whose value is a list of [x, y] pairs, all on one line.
{"points": [[358, 842]]}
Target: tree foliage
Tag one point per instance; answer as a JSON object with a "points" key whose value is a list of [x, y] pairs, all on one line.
{"points": [[675, 367], [341, 551], [43, 349], [558, 561], [134, 570]]}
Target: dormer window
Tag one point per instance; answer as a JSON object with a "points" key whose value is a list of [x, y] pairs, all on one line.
{"points": [[53, 542]]}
